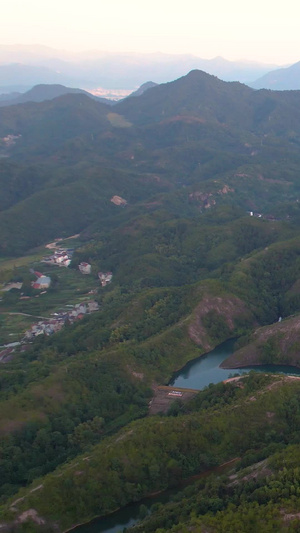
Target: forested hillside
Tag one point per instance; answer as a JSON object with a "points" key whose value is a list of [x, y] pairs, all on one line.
{"points": [[203, 141], [188, 195]]}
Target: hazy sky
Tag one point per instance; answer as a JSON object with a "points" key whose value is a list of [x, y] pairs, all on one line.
{"points": [[262, 30]]}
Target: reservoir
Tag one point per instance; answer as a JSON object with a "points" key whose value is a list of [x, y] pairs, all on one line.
{"points": [[204, 370]]}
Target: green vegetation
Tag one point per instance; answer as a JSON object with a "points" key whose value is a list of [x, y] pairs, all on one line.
{"points": [[152, 454], [191, 268]]}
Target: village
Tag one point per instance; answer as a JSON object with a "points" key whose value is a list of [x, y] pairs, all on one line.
{"points": [[58, 317]]}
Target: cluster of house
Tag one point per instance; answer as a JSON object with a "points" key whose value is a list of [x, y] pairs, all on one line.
{"points": [[60, 257], [51, 325]]}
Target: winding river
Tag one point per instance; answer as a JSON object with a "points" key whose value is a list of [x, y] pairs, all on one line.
{"points": [[195, 375]]}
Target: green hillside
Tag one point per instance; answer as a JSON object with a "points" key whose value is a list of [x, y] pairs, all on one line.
{"points": [[204, 247], [201, 135], [152, 454]]}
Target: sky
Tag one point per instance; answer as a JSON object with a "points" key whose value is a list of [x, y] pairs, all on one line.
{"points": [[260, 30]]}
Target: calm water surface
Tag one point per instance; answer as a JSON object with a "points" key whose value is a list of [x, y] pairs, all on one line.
{"points": [[205, 370]]}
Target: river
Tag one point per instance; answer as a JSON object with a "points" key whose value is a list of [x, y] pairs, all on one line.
{"points": [[195, 375]]}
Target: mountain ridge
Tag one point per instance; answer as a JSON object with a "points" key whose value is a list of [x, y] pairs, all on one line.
{"points": [[42, 92], [126, 70], [282, 79]]}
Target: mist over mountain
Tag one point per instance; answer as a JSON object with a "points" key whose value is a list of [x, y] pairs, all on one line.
{"points": [[282, 79], [32, 65], [17, 74]]}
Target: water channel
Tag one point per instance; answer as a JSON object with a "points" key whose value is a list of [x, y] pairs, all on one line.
{"points": [[195, 375]]}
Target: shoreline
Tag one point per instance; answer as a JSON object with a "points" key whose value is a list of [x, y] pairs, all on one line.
{"points": [[241, 366]]}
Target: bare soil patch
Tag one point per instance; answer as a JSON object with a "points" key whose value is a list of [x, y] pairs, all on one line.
{"points": [[162, 399]]}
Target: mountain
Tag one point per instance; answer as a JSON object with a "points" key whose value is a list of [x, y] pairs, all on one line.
{"points": [[93, 69], [9, 96], [42, 92], [283, 79], [207, 98], [188, 196], [197, 94], [67, 116], [197, 132], [143, 88]]}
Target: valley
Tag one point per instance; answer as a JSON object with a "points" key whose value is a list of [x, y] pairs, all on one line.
{"points": [[183, 207]]}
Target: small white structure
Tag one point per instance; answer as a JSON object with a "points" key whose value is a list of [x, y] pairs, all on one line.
{"points": [[85, 268], [105, 278]]}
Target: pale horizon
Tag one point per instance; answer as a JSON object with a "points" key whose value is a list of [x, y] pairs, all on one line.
{"points": [[263, 32], [90, 51]]}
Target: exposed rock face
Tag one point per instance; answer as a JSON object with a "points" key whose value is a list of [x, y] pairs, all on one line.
{"points": [[228, 307], [225, 190], [206, 199]]}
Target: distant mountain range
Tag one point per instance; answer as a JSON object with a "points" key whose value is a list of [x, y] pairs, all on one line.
{"points": [[282, 79], [22, 67]]}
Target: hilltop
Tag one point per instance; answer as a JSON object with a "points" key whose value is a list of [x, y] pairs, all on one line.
{"points": [[42, 92], [222, 141]]}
